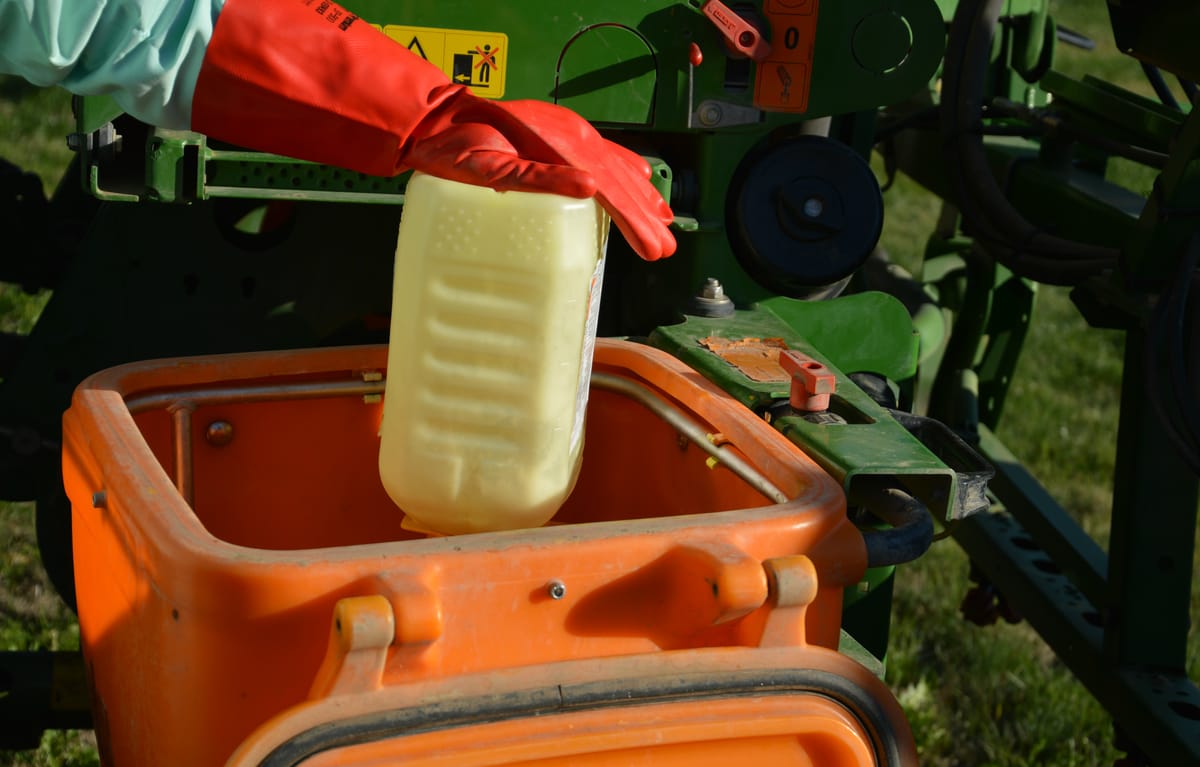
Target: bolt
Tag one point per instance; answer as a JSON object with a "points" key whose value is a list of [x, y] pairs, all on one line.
{"points": [[556, 589], [807, 209], [99, 499], [712, 289], [711, 300], [711, 115], [219, 433]]}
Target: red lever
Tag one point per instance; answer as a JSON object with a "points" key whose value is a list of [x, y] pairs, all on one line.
{"points": [[738, 33], [812, 382]]}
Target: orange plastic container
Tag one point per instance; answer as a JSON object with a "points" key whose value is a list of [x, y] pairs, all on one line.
{"points": [[248, 596]]}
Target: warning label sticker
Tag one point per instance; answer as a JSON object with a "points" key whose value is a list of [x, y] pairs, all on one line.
{"points": [[783, 78], [474, 59]]}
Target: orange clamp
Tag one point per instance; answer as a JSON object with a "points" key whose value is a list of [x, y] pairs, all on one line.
{"points": [[812, 382]]}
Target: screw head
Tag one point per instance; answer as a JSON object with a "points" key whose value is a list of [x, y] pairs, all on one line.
{"points": [[219, 433], [556, 589]]}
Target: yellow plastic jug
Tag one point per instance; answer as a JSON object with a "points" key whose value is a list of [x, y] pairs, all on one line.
{"points": [[494, 306]]}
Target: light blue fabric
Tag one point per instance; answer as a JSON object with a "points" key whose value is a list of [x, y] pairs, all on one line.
{"points": [[146, 54]]}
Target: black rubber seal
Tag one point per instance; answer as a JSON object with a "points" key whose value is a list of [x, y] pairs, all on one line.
{"points": [[561, 699]]}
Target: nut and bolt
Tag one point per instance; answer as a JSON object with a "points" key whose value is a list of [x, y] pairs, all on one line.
{"points": [[711, 300], [712, 289]]}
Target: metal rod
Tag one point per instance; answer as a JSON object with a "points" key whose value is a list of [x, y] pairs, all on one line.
{"points": [[692, 430], [181, 419], [227, 395], [308, 195], [181, 404]]}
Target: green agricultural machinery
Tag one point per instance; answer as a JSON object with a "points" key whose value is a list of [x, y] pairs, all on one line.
{"points": [[759, 120]]}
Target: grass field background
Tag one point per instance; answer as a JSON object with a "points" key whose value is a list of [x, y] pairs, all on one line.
{"points": [[998, 695], [975, 696]]}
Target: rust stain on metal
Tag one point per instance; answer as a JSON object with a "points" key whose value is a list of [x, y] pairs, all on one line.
{"points": [[755, 358]]}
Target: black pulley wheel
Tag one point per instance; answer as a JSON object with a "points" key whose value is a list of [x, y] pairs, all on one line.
{"points": [[804, 214]]}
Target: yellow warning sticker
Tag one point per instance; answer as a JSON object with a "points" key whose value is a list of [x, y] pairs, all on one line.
{"points": [[474, 59]]}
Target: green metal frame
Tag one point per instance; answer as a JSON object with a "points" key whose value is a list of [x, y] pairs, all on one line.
{"points": [[871, 443]]}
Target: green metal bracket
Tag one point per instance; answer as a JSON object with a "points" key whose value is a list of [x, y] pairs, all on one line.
{"points": [[174, 172], [255, 175], [865, 332], [840, 334], [1112, 110], [93, 112], [967, 382], [871, 442], [1033, 43], [180, 166]]}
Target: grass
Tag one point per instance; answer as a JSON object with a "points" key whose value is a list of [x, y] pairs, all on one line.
{"points": [[975, 696]]}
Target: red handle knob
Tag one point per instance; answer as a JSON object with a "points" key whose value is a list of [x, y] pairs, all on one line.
{"points": [[738, 33]]}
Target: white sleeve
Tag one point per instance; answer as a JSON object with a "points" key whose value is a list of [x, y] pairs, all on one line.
{"points": [[146, 54]]}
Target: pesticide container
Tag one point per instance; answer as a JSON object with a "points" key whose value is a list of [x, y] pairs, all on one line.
{"points": [[493, 326], [248, 597]]}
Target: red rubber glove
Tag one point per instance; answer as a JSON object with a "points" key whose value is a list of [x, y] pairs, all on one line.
{"points": [[308, 79], [622, 177]]}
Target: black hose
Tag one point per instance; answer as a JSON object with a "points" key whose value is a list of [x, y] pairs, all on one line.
{"points": [[911, 531], [987, 215]]}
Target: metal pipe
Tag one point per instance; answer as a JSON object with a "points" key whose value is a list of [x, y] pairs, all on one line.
{"points": [[692, 430], [181, 419], [181, 404], [260, 393]]}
